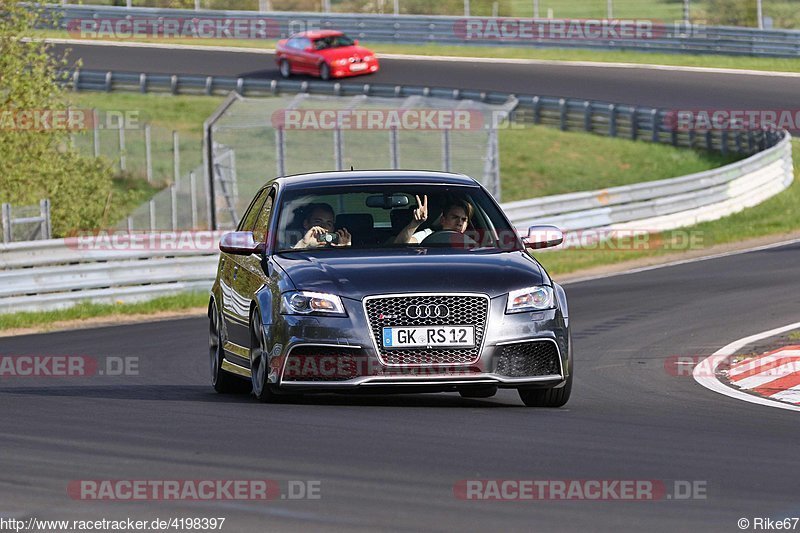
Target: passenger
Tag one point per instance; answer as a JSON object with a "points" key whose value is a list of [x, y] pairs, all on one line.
{"points": [[319, 225], [455, 217]]}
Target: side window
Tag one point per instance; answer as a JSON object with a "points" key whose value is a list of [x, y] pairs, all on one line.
{"points": [[293, 43], [249, 218], [262, 222], [304, 43]]}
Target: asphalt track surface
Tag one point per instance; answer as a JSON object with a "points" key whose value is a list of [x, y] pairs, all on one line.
{"points": [[657, 88], [391, 462]]}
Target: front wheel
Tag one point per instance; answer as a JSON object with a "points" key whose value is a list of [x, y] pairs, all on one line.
{"points": [[325, 71], [259, 362], [547, 397]]}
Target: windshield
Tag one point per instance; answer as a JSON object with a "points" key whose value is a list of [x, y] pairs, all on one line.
{"points": [[456, 218], [334, 41]]}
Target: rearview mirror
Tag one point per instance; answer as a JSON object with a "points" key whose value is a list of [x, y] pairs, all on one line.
{"points": [[544, 236], [240, 243], [386, 201]]}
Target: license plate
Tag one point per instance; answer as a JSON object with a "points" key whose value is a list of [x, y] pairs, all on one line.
{"points": [[358, 66], [424, 336]]}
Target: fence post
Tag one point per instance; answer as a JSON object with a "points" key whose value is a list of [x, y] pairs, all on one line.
{"points": [[280, 151], [44, 212], [466, 8], [148, 154], [394, 148], [537, 110], [122, 161], [193, 194], [723, 142], [446, 158], [6, 209], [173, 200], [634, 123], [96, 132], [337, 148], [176, 157], [562, 114], [152, 215]]}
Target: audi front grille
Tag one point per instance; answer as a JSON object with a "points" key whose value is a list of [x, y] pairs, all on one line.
{"points": [[463, 310], [523, 359]]}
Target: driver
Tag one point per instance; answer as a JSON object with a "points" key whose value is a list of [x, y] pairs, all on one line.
{"points": [[318, 222], [455, 217]]}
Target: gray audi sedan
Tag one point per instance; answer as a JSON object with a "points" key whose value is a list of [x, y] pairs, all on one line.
{"points": [[390, 281]]}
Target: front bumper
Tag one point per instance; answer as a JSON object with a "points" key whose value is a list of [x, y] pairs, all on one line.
{"points": [[338, 353]]}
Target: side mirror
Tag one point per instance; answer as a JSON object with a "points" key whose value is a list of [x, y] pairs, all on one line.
{"points": [[543, 237], [240, 243]]}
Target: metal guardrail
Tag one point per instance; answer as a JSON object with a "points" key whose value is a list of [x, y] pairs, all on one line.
{"points": [[415, 29], [108, 274]]}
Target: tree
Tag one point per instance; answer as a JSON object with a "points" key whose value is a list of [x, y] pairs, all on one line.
{"points": [[36, 159]]}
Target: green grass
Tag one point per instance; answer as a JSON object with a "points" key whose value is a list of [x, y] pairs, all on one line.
{"points": [[794, 336], [778, 215], [541, 161], [86, 310], [512, 52]]}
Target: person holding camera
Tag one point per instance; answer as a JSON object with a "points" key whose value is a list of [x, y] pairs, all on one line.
{"points": [[319, 225]]}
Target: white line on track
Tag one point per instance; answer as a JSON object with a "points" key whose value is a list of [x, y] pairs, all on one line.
{"points": [[451, 59], [701, 371], [681, 262]]}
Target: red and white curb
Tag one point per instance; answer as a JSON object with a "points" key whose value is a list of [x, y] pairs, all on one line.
{"points": [[775, 375]]}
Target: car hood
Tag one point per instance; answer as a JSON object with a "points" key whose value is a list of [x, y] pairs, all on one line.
{"points": [[358, 273], [344, 52]]}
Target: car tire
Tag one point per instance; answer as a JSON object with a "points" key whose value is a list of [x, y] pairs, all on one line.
{"points": [[552, 397], [285, 68], [325, 71], [478, 392], [223, 382], [262, 389]]}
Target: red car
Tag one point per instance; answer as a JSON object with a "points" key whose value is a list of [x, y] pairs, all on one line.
{"points": [[324, 53]]}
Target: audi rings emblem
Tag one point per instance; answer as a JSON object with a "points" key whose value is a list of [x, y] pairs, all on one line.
{"points": [[427, 311]]}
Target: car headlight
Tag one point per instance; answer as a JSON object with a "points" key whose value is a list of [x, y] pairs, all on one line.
{"points": [[306, 303], [530, 299], [340, 62]]}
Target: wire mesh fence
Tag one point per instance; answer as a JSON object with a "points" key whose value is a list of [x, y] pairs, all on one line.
{"points": [[266, 137], [25, 222]]}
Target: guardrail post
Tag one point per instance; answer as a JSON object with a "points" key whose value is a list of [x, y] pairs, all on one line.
{"points": [[537, 110], [122, 160], [176, 157], [152, 215], [750, 141], [692, 138], [562, 112], [739, 142], [142, 83], [96, 132], [209, 88], [130, 224], [173, 84], [394, 148], [654, 123], [193, 194], [723, 142], [148, 154], [6, 210], [76, 80], [108, 81], [709, 141], [587, 116], [612, 120], [634, 123], [44, 212]]}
